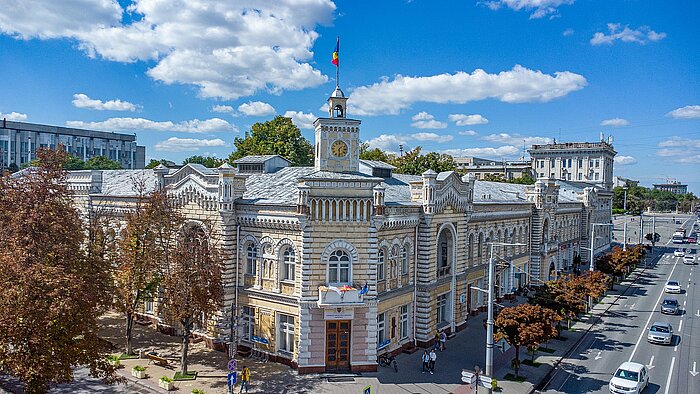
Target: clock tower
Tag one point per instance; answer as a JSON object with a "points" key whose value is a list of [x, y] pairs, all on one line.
{"points": [[337, 146]]}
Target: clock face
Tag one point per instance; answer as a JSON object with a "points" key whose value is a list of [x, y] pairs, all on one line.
{"points": [[339, 148]]}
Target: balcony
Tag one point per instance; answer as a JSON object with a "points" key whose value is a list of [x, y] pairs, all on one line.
{"points": [[332, 296], [443, 271]]}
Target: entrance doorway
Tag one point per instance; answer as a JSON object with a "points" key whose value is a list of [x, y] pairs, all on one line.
{"points": [[338, 345]]}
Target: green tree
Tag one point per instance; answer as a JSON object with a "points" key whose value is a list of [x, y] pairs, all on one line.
{"points": [[210, 162], [53, 281], [414, 163], [155, 163], [278, 136], [375, 154], [101, 163]]}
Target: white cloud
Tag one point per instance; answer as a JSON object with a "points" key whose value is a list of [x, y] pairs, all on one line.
{"points": [[81, 100], [224, 109], [14, 116], [256, 108], [424, 120], [212, 125], [641, 35], [518, 85], [680, 150], [387, 142], [687, 112], [300, 119], [467, 120], [625, 160], [516, 139], [568, 32], [432, 137], [615, 122], [539, 8], [226, 49], [175, 144], [677, 142], [468, 132], [501, 151]]}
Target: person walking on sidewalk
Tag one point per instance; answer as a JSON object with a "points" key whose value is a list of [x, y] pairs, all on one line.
{"points": [[443, 339], [245, 379], [431, 363], [425, 359]]}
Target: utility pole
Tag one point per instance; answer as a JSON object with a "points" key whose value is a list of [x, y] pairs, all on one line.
{"points": [[489, 320], [653, 232], [624, 236], [641, 228]]}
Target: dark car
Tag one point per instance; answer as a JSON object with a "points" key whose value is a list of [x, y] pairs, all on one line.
{"points": [[670, 306]]}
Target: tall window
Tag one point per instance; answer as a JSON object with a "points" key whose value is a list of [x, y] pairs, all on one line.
{"points": [[288, 264], [403, 322], [148, 306], [251, 259], [404, 260], [286, 333], [381, 261], [381, 328], [442, 308], [339, 267], [248, 323]]}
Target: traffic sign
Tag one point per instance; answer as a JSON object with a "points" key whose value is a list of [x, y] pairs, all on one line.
{"points": [[367, 390], [485, 381], [231, 379], [232, 364], [468, 377], [503, 345]]}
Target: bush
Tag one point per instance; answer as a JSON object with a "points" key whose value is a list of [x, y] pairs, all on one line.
{"points": [[166, 379], [198, 391], [139, 368], [618, 211]]}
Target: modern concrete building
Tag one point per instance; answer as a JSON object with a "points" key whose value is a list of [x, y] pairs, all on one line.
{"points": [[590, 162], [329, 266], [483, 167], [619, 181], [19, 142], [674, 187]]}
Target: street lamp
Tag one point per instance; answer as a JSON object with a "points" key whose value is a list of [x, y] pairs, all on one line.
{"points": [[489, 321], [592, 247], [624, 201]]}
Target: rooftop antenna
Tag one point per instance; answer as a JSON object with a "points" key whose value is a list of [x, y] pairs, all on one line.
{"points": [[401, 149]]}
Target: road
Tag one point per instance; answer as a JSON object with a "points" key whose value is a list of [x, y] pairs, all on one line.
{"points": [[621, 335]]}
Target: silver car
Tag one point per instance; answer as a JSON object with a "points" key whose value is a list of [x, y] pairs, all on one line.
{"points": [[670, 306], [660, 333]]}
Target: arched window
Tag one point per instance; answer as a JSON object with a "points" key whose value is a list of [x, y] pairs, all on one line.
{"points": [[480, 247], [404, 260], [393, 261], [339, 267], [470, 248], [381, 261], [288, 264], [338, 111], [251, 259]]}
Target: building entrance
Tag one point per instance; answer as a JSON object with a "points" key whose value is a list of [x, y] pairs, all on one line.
{"points": [[338, 345]]}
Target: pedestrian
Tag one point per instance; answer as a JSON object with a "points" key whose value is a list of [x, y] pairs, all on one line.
{"points": [[425, 360], [245, 379], [431, 363], [443, 340]]}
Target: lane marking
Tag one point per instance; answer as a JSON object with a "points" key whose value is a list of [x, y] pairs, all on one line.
{"points": [[694, 372], [680, 326], [670, 373], [598, 356], [684, 301], [634, 350], [651, 363]]}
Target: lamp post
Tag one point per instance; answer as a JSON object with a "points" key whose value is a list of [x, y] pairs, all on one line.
{"points": [[489, 321], [592, 247], [624, 202]]}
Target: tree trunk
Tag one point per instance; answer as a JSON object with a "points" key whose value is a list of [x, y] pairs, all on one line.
{"points": [[185, 346], [129, 327], [517, 360]]}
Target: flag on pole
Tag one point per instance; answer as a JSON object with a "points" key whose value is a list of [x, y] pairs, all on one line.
{"points": [[335, 54]]}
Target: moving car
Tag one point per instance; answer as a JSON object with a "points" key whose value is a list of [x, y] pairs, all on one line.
{"points": [[629, 378], [688, 259], [678, 253], [672, 286], [670, 305], [660, 332]]}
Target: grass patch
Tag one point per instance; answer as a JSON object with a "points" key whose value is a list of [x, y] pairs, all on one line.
{"points": [[546, 350], [191, 375], [513, 378], [125, 356], [531, 363]]}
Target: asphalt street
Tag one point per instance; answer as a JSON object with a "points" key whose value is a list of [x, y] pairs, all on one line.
{"points": [[621, 336]]}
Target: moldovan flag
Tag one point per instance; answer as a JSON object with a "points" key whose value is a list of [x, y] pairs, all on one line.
{"points": [[335, 54]]}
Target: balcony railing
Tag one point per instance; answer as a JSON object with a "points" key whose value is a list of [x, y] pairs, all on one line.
{"points": [[443, 271], [340, 296]]}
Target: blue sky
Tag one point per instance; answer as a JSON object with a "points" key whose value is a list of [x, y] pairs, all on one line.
{"points": [[463, 77]]}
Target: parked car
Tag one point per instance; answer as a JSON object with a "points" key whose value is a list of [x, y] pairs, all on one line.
{"points": [[660, 332], [692, 238], [629, 378], [672, 286], [670, 306], [678, 253], [689, 259]]}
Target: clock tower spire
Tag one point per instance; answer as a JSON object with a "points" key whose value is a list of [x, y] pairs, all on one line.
{"points": [[337, 147]]}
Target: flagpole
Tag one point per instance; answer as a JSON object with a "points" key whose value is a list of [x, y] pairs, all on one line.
{"points": [[337, 66]]}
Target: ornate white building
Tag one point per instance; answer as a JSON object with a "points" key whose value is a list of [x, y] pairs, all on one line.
{"points": [[330, 265]]}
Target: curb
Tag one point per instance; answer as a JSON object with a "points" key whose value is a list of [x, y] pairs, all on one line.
{"points": [[139, 382], [536, 387]]}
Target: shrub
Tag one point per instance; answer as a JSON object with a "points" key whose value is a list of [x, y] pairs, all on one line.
{"points": [[198, 391], [166, 379], [139, 368]]}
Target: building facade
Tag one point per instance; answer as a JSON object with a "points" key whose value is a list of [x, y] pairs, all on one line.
{"points": [[19, 142], [674, 187], [484, 167], [590, 162], [331, 265]]}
